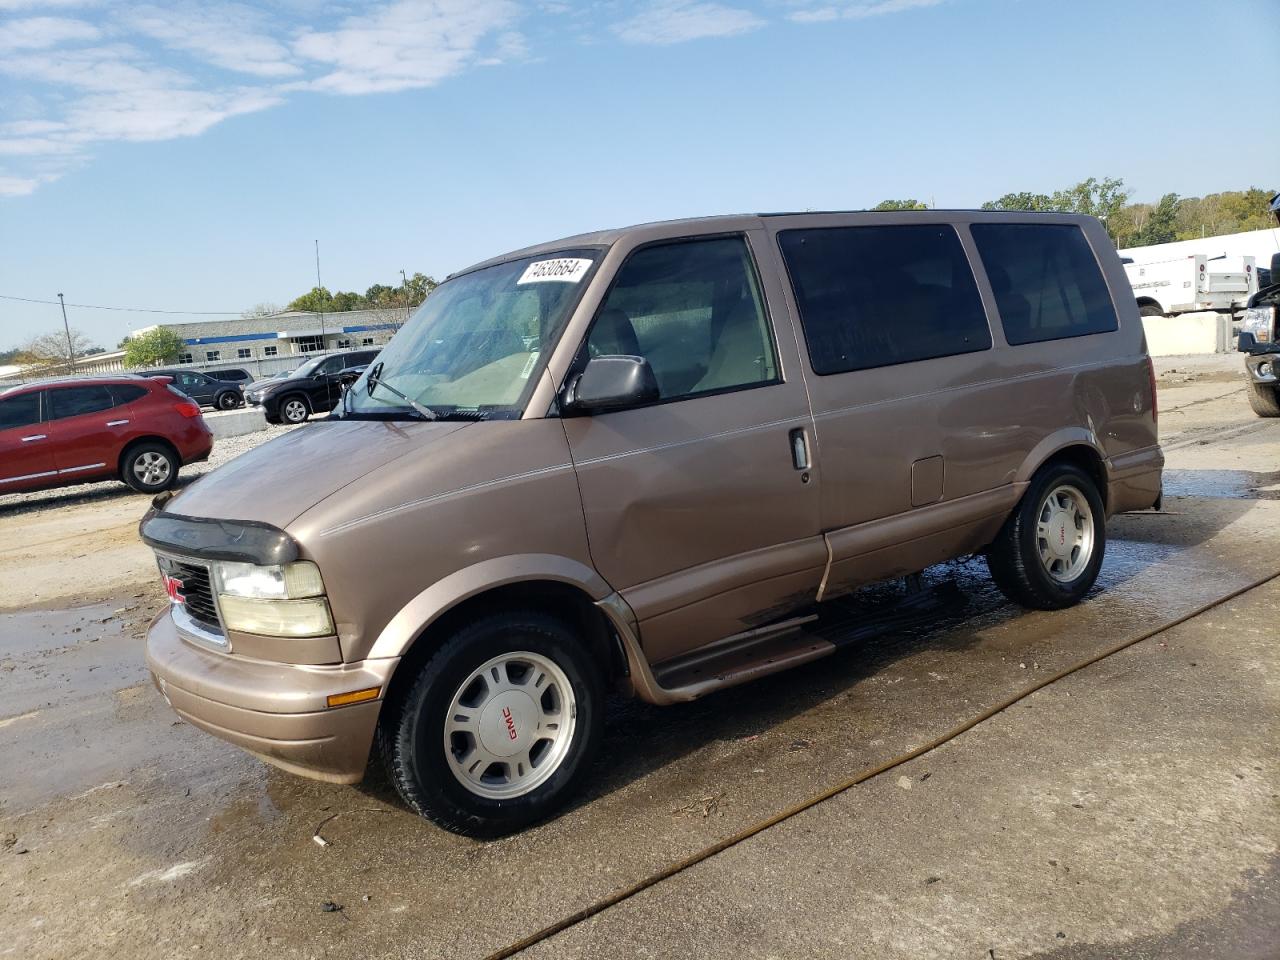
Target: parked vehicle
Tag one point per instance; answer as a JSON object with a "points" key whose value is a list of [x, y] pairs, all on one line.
{"points": [[233, 375], [315, 387], [82, 430], [1190, 283], [1260, 340], [204, 389], [651, 459]]}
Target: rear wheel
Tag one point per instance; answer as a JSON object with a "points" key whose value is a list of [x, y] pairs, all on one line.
{"points": [[499, 727], [228, 400], [1264, 399], [1150, 310], [1048, 553], [294, 409], [150, 468]]}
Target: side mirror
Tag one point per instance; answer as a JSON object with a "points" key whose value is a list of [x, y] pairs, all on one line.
{"points": [[1245, 342], [348, 377], [611, 383]]}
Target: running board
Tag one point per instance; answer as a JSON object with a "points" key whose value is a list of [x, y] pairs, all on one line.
{"points": [[830, 626]]}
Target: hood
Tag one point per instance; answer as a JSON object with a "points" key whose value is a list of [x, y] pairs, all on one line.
{"points": [[279, 480]]}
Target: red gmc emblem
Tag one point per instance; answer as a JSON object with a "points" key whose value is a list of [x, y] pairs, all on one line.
{"points": [[173, 587]]}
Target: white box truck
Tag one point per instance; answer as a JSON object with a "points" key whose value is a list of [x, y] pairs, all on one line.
{"points": [[1185, 284]]}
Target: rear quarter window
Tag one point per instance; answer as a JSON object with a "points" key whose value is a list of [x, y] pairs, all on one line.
{"points": [[126, 393], [1046, 281], [878, 296]]}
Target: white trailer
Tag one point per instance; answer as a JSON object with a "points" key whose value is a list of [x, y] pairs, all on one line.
{"points": [[1185, 284]]}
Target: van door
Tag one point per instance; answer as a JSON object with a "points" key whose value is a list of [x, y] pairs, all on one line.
{"points": [[899, 346], [26, 455], [700, 508]]}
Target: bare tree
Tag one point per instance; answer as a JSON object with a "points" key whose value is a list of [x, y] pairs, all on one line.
{"points": [[48, 352], [260, 310]]}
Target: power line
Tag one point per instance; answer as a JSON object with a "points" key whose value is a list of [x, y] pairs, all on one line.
{"points": [[94, 306]]}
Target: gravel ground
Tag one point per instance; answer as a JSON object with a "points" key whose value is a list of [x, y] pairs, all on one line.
{"points": [[224, 451]]}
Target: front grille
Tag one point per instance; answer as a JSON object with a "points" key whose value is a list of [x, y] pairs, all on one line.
{"points": [[196, 593]]}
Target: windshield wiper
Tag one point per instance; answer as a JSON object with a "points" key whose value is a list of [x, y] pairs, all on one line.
{"points": [[375, 380]]}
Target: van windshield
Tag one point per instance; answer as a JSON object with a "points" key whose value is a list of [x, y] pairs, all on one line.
{"points": [[474, 348]]}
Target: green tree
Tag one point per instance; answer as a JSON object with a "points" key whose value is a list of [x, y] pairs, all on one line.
{"points": [[420, 287], [900, 205], [152, 348], [1161, 225], [315, 300], [1104, 199], [1020, 201]]}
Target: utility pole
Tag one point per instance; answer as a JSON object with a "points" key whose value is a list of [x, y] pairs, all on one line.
{"points": [[405, 288], [71, 350], [318, 286]]}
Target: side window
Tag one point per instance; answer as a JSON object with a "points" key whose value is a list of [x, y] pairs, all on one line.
{"points": [[331, 365], [692, 309], [20, 411], [77, 401], [876, 296], [124, 393], [190, 380], [1046, 281]]}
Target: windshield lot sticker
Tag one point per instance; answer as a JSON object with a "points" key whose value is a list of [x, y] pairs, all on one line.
{"points": [[528, 365], [564, 270]]}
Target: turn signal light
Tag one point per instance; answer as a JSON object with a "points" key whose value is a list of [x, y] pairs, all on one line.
{"points": [[355, 696]]}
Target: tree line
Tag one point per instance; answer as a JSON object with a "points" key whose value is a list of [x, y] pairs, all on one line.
{"points": [[406, 295], [1139, 224]]}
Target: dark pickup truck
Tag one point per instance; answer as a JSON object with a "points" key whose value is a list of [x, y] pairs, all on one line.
{"points": [[1260, 339]]}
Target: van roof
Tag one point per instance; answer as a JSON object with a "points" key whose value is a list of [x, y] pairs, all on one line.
{"points": [[744, 221]]}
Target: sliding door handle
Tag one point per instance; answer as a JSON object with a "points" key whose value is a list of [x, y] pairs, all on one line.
{"points": [[799, 449], [35, 436]]}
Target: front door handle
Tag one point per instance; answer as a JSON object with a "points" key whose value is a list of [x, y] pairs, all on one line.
{"points": [[36, 436], [116, 423], [799, 449]]}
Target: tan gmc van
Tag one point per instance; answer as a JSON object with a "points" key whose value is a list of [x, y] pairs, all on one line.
{"points": [[644, 460]]}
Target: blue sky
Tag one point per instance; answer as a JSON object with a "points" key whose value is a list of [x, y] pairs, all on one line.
{"points": [[186, 155]]}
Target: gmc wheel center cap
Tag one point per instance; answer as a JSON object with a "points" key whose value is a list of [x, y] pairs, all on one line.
{"points": [[1062, 533], [508, 723]]}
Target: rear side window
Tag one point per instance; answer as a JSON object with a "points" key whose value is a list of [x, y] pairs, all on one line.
{"points": [[692, 309], [20, 411], [877, 296], [77, 401], [126, 393], [1046, 281]]}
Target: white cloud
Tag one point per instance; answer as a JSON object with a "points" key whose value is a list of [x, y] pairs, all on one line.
{"points": [[41, 33], [233, 37], [46, 4], [17, 186], [676, 21], [857, 10], [403, 45]]}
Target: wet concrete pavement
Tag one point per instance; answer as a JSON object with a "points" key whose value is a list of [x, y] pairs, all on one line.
{"points": [[1131, 807]]}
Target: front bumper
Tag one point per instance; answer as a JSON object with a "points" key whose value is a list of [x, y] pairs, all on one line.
{"points": [[1262, 367], [276, 711]]}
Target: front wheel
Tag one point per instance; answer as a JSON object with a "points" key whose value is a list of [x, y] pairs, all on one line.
{"points": [[500, 726], [294, 409], [1264, 398], [1048, 553]]}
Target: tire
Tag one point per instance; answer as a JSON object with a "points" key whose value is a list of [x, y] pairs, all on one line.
{"points": [[1264, 399], [1026, 565], [1150, 310], [294, 408], [227, 400], [521, 782], [150, 467]]}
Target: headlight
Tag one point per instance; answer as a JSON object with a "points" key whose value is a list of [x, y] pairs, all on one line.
{"points": [[275, 601], [1260, 321]]}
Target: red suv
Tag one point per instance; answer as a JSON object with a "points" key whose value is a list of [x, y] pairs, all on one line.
{"points": [[60, 432]]}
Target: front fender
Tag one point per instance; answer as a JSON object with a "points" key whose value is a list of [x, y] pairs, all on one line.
{"points": [[437, 599]]}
